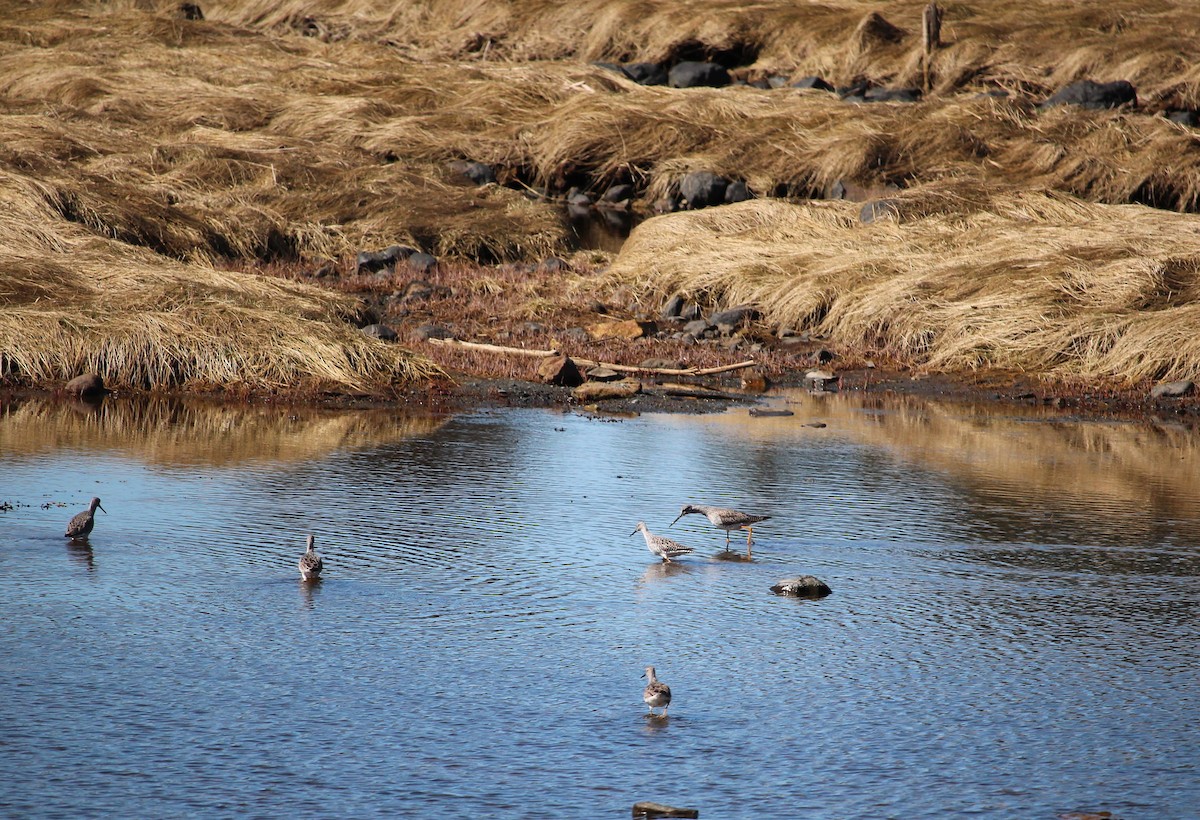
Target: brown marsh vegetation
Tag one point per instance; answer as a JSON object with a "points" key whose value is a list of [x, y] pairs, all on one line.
{"points": [[153, 167]]}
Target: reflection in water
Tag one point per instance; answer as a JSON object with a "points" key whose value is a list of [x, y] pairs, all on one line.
{"points": [[1003, 591], [79, 551], [309, 591], [179, 432]]}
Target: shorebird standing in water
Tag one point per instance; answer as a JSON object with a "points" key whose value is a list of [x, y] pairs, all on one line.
{"points": [[664, 548], [311, 564], [656, 692], [82, 523], [725, 519]]}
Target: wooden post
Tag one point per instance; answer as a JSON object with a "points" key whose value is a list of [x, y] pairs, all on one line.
{"points": [[931, 36]]}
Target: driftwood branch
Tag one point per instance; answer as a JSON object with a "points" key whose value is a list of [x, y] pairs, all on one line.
{"points": [[624, 368]]}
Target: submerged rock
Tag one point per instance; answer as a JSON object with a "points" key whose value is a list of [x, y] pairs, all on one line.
{"points": [[804, 586], [649, 809]]}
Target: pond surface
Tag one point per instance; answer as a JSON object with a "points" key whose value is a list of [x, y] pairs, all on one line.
{"points": [[1013, 629]]}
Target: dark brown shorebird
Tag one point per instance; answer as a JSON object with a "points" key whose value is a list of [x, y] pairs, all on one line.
{"points": [[664, 548], [656, 692], [726, 519], [82, 523], [311, 564]]}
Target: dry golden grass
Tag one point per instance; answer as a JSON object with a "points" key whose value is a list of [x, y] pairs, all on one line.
{"points": [[140, 151], [1029, 281]]}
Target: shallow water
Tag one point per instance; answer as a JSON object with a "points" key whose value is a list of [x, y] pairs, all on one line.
{"points": [[1012, 633]]}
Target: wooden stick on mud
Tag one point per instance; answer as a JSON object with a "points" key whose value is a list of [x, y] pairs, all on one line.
{"points": [[625, 368]]}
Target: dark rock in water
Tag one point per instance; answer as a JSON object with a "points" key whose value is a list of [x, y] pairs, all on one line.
{"points": [[1172, 390], [553, 264], [431, 331], [647, 73], [762, 412], [702, 188], [1184, 117], [189, 11], [728, 320], [805, 586], [577, 199], [738, 191], [371, 261], [878, 211], [905, 95], [673, 307], [89, 384], [697, 75], [477, 172], [650, 809], [1090, 94], [813, 82], [559, 369], [380, 332], [618, 193], [422, 263], [817, 424]]}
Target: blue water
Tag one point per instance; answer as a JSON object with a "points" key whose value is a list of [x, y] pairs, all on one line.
{"points": [[990, 648]]}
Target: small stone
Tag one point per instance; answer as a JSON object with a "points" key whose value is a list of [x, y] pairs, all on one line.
{"points": [[422, 263], [650, 809], [602, 374], [627, 329], [559, 369], [662, 364], [430, 331], [596, 391], [380, 331], [673, 307], [1172, 390], [89, 384], [729, 320]]}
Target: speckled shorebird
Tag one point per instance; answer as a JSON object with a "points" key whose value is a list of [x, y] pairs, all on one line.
{"points": [[81, 524], [725, 519], [664, 548], [311, 564], [656, 692]]}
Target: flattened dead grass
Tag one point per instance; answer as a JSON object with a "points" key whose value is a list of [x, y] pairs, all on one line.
{"points": [[1037, 282]]}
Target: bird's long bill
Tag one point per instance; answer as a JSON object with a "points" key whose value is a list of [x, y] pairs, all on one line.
{"points": [[101, 508], [672, 524], [635, 532]]}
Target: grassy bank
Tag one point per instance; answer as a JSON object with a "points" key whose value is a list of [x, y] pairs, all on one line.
{"points": [[145, 159]]}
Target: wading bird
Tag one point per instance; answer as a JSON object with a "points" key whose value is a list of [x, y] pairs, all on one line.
{"points": [[725, 519], [664, 548], [81, 524], [311, 564], [656, 692]]}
